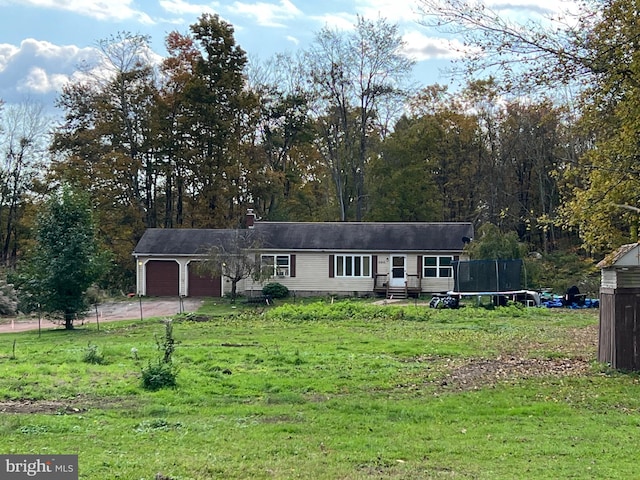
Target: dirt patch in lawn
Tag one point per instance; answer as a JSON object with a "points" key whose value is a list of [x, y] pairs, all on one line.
{"points": [[71, 406], [574, 358], [480, 373], [39, 406]]}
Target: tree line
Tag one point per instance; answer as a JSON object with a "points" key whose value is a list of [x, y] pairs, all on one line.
{"points": [[338, 132]]}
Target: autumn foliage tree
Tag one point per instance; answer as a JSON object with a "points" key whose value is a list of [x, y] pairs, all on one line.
{"points": [[603, 185], [24, 138], [594, 50]]}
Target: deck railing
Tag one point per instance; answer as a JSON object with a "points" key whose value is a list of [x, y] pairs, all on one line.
{"points": [[412, 286]]}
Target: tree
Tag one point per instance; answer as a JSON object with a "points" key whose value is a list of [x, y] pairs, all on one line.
{"points": [[493, 244], [205, 114], [530, 152], [355, 77], [218, 103], [595, 49], [235, 258], [284, 132], [66, 259], [108, 145], [403, 177], [544, 50], [24, 137], [607, 175]]}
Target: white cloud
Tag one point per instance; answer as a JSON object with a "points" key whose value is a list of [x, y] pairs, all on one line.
{"points": [[113, 10], [39, 82], [293, 39], [6, 52], [39, 68], [340, 21], [420, 47], [267, 14], [395, 11], [541, 7], [180, 7]]}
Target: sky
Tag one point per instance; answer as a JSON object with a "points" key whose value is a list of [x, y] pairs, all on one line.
{"points": [[42, 42]]}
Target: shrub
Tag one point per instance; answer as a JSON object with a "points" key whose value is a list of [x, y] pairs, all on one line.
{"points": [[163, 373], [159, 375], [8, 297], [347, 309], [93, 355], [275, 290]]}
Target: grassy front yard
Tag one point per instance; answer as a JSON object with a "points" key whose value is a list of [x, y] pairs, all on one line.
{"points": [[320, 391]]}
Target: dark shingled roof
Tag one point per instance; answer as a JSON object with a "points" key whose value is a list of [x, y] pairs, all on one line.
{"points": [[365, 236], [181, 241], [330, 236]]}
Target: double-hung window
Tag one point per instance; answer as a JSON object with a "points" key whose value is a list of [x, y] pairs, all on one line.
{"points": [[437, 266], [276, 265], [353, 265]]}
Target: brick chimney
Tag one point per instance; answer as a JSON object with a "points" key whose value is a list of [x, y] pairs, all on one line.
{"points": [[250, 218]]}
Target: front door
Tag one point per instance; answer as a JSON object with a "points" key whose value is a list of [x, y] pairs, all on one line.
{"points": [[398, 271]]}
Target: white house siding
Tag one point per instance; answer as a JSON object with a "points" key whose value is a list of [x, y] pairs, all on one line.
{"points": [[437, 285], [429, 284], [312, 275]]}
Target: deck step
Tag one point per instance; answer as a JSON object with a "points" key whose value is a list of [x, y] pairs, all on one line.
{"points": [[396, 293]]}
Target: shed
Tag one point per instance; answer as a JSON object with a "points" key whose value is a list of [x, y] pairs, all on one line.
{"points": [[619, 331]]}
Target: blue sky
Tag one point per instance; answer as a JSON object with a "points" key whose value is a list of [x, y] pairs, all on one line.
{"points": [[43, 41]]}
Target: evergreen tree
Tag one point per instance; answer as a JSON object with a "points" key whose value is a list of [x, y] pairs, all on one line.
{"points": [[66, 259]]}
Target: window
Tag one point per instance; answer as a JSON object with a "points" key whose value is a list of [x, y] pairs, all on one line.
{"points": [[353, 265], [280, 265], [437, 267]]}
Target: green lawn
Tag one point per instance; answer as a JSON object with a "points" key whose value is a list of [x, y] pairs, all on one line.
{"points": [[321, 391]]}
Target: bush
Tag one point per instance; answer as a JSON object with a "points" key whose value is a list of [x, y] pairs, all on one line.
{"points": [[275, 290], [93, 356], [560, 270], [163, 373], [8, 297], [159, 375]]}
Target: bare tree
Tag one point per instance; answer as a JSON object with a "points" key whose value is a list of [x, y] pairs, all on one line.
{"points": [[355, 77], [24, 136], [542, 50], [234, 258]]}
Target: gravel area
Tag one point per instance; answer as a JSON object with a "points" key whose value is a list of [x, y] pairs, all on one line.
{"points": [[112, 311]]}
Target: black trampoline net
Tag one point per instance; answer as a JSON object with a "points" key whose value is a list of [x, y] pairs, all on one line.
{"points": [[487, 275]]}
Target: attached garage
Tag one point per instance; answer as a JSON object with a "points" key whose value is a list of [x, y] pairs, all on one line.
{"points": [[162, 278], [203, 285]]}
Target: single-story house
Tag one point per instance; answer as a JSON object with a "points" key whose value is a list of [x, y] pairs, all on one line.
{"points": [[342, 258]]}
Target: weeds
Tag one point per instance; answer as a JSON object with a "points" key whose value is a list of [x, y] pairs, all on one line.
{"points": [[156, 424], [162, 373], [93, 356]]}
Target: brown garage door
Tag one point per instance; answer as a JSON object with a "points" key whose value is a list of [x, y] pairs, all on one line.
{"points": [[203, 285], [163, 278]]}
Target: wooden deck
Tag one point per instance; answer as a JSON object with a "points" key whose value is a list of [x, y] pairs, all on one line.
{"points": [[411, 288]]}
